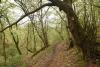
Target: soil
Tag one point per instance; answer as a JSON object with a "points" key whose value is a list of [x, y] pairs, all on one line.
{"points": [[58, 56]]}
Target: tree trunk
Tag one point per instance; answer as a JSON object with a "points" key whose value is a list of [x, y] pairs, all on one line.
{"points": [[81, 39]]}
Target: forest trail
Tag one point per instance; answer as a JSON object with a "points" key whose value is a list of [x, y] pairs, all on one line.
{"points": [[58, 56]]}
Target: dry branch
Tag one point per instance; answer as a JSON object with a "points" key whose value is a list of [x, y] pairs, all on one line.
{"points": [[47, 4]]}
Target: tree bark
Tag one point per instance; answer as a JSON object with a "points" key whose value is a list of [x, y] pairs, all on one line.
{"points": [[80, 38]]}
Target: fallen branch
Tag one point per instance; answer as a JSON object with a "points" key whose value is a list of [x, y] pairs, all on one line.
{"points": [[47, 4], [37, 52]]}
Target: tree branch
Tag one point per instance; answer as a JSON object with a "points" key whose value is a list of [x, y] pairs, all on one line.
{"points": [[47, 4], [97, 6]]}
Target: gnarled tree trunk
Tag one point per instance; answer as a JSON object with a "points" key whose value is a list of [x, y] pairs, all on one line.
{"points": [[82, 38]]}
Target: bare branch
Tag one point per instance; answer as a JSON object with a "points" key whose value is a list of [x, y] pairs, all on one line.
{"points": [[97, 6], [47, 4], [39, 51]]}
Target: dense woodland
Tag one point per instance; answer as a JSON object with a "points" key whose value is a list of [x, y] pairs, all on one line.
{"points": [[49, 33]]}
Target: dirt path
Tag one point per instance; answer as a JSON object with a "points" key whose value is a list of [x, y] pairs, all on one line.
{"points": [[58, 56]]}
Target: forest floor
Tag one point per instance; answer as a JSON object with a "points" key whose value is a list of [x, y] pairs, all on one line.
{"points": [[57, 56]]}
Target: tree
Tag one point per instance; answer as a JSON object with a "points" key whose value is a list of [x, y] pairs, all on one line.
{"points": [[84, 36]]}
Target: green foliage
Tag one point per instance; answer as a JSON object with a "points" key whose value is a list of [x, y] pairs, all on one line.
{"points": [[15, 61], [30, 33]]}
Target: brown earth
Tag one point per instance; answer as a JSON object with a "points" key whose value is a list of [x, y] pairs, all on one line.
{"points": [[57, 56]]}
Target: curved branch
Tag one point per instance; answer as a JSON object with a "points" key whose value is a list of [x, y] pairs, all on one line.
{"points": [[47, 4]]}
